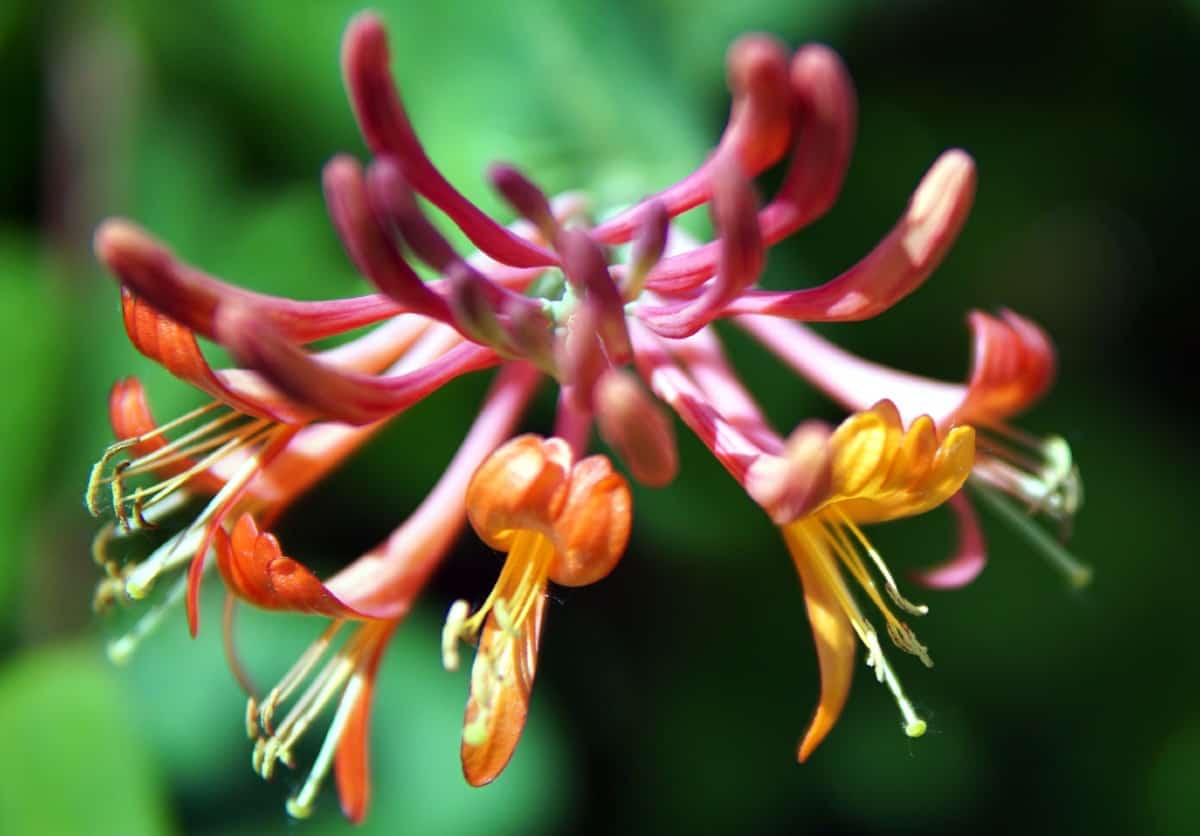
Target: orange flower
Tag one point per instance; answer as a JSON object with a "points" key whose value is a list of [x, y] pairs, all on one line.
{"points": [[557, 520]]}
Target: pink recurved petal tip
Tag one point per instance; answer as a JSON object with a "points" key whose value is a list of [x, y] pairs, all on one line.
{"points": [[898, 265], [387, 130], [970, 553], [369, 245]]}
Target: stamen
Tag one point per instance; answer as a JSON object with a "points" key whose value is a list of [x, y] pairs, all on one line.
{"points": [[96, 477], [522, 580], [900, 633], [339, 674], [140, 578], [300, 805], [162, 490], [180, 549], [814, 545], [120, 650], [1078, 574], [100, 544], [215, 439], [296, 674], [453, 633], [1039, 472], [889, 581], [252, 719]]}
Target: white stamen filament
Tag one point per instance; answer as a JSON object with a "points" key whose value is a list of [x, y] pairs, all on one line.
{"points": [[297, 674], [179, 549], [120, 650], [300, 805]]}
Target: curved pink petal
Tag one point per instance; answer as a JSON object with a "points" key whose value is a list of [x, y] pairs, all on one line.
{"points": [[897, 266], [825, 112], [190, 296], [387, 130], [331, 392], [756, 134], [970, 553], [1012, 365]]}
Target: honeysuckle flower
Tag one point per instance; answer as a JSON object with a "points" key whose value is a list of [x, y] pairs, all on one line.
{"points": [[870, 469], [618, 313], [558, 519], [1013, 365]]}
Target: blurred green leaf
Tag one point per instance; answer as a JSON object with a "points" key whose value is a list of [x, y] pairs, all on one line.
{"points": [[31, 334], [1170, 784], [75, 759]]}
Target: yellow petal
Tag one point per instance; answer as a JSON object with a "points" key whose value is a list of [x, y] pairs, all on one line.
{"points": [[832, 633]]}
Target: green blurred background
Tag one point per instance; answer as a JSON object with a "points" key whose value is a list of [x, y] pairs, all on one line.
{"points": [[671, 696]]}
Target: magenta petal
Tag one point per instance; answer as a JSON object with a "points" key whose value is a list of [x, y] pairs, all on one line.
{"points": [[970, 555]]}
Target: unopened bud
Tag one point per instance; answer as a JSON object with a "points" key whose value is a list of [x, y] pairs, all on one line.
{"points": [[472, 308], [632, 422], [648, 244], [523, 195]]}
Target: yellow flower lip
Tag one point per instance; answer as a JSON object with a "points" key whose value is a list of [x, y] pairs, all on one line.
{"points": [[879, 471]]}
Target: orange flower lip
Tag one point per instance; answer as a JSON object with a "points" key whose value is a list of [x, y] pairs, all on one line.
{"points": [[530, 484]]}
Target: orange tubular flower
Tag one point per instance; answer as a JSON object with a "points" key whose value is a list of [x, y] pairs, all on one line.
{"points": [[557, 520], [823, 487]]}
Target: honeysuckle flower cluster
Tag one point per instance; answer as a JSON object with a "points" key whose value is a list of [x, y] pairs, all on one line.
{"points": [[619, 315]]}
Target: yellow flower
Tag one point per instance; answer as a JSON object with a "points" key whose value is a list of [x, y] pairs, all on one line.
{"points": [[870, 469]]}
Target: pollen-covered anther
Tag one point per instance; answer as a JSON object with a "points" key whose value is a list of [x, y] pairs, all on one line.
{"points": [[454, 631], [174, 464]]}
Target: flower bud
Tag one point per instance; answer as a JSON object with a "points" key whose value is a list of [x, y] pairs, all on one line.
{"points": [[631, 421]]}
